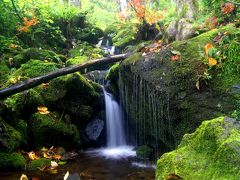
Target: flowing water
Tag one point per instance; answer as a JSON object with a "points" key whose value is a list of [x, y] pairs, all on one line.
{"points": [[115, 162]]}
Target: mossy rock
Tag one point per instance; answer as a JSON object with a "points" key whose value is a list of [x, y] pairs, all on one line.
{"points": [[85, 49], [211, 152], [144, 152], [50, 130], [12, 161], [113, 73], [26, 101], [76, 60], [126, 36], [38, 164], [10, 138], [34, 53], [4, 73]]}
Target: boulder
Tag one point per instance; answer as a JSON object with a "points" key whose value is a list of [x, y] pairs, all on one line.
{"points": [[49, 130], [185, 30], [94, 129], [211, 152]]}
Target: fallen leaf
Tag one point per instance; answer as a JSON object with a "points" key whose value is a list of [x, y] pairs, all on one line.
{"points": [[43, 110], [57, 156], [23, 177], [175, 58], [54, 164], [207, 48], [32, 155], [173, 177], [212, 62]]}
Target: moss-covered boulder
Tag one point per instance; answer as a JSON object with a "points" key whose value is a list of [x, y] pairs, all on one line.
{"points": [[10, 138], [85, 49], [12, 161], [38, 164], [126, 36], [50, 130], [24, 102], [211, 152], [166, 98], [76, 60], [34, 53]]}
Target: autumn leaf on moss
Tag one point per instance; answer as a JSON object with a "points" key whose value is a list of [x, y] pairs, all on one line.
{"points": [[175, 58], [208, 47], [212, 62], [43, 110], [32, 155]]}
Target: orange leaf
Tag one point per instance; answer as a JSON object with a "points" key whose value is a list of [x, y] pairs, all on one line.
{"points": [[57, 156], [212, 62], [207, 48]]}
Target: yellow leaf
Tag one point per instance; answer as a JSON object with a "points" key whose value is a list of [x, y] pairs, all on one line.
{"points": [[43, 110], [32, 155], [212, 62]]}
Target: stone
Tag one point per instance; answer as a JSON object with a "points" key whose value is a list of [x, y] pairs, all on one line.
{"points": [[185, 30], [94, 129], [211, 152]]}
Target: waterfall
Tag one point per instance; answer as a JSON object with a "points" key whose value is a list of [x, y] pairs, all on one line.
{"points": [[114, 122], [123, 5], [116, 141]]}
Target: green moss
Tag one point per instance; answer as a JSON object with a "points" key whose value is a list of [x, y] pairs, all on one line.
{"points": [[85, 49], [76, 60], [10, 138], [50, 130], [4, 73], [113, 73], [144, 152], [12, 161], [34, 53], [38, 164], [124, 38], [27, 100], [211, 152]]}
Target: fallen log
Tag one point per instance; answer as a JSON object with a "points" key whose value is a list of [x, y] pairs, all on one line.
{"points": [[33, 82]]}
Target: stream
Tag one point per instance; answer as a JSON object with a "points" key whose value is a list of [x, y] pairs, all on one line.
{"points": [[116, 161]]}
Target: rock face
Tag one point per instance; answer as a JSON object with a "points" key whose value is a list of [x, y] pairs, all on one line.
{"points": [[94, 129], [183, 28], [160, 96], [211, 152]]}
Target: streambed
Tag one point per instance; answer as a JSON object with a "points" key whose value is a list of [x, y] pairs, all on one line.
{"points": [[105, 164]]}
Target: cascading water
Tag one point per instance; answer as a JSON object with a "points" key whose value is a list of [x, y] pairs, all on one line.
{"points": [[114, 121], [116, 140]]}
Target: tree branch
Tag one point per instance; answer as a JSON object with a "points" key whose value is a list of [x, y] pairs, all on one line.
{"points": [[30, 83]]}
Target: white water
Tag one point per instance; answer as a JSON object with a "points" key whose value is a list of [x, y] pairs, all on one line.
{"points": [[123, 5], [116, 140]]}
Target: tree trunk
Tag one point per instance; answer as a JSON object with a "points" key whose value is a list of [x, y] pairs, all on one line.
{"points": [[30, 83]]}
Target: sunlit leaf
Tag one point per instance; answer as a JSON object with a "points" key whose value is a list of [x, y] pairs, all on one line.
{"points": [[212, 62], [32, 155], [23, 177], [207, 48], [43, 110]]}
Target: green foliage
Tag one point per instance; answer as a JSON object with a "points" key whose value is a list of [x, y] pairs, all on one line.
{"points": [[12, 161]]}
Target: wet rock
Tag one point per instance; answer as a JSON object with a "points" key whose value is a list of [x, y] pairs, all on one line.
{"points": [[94, 129], [73, 176], [235, 89]]}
